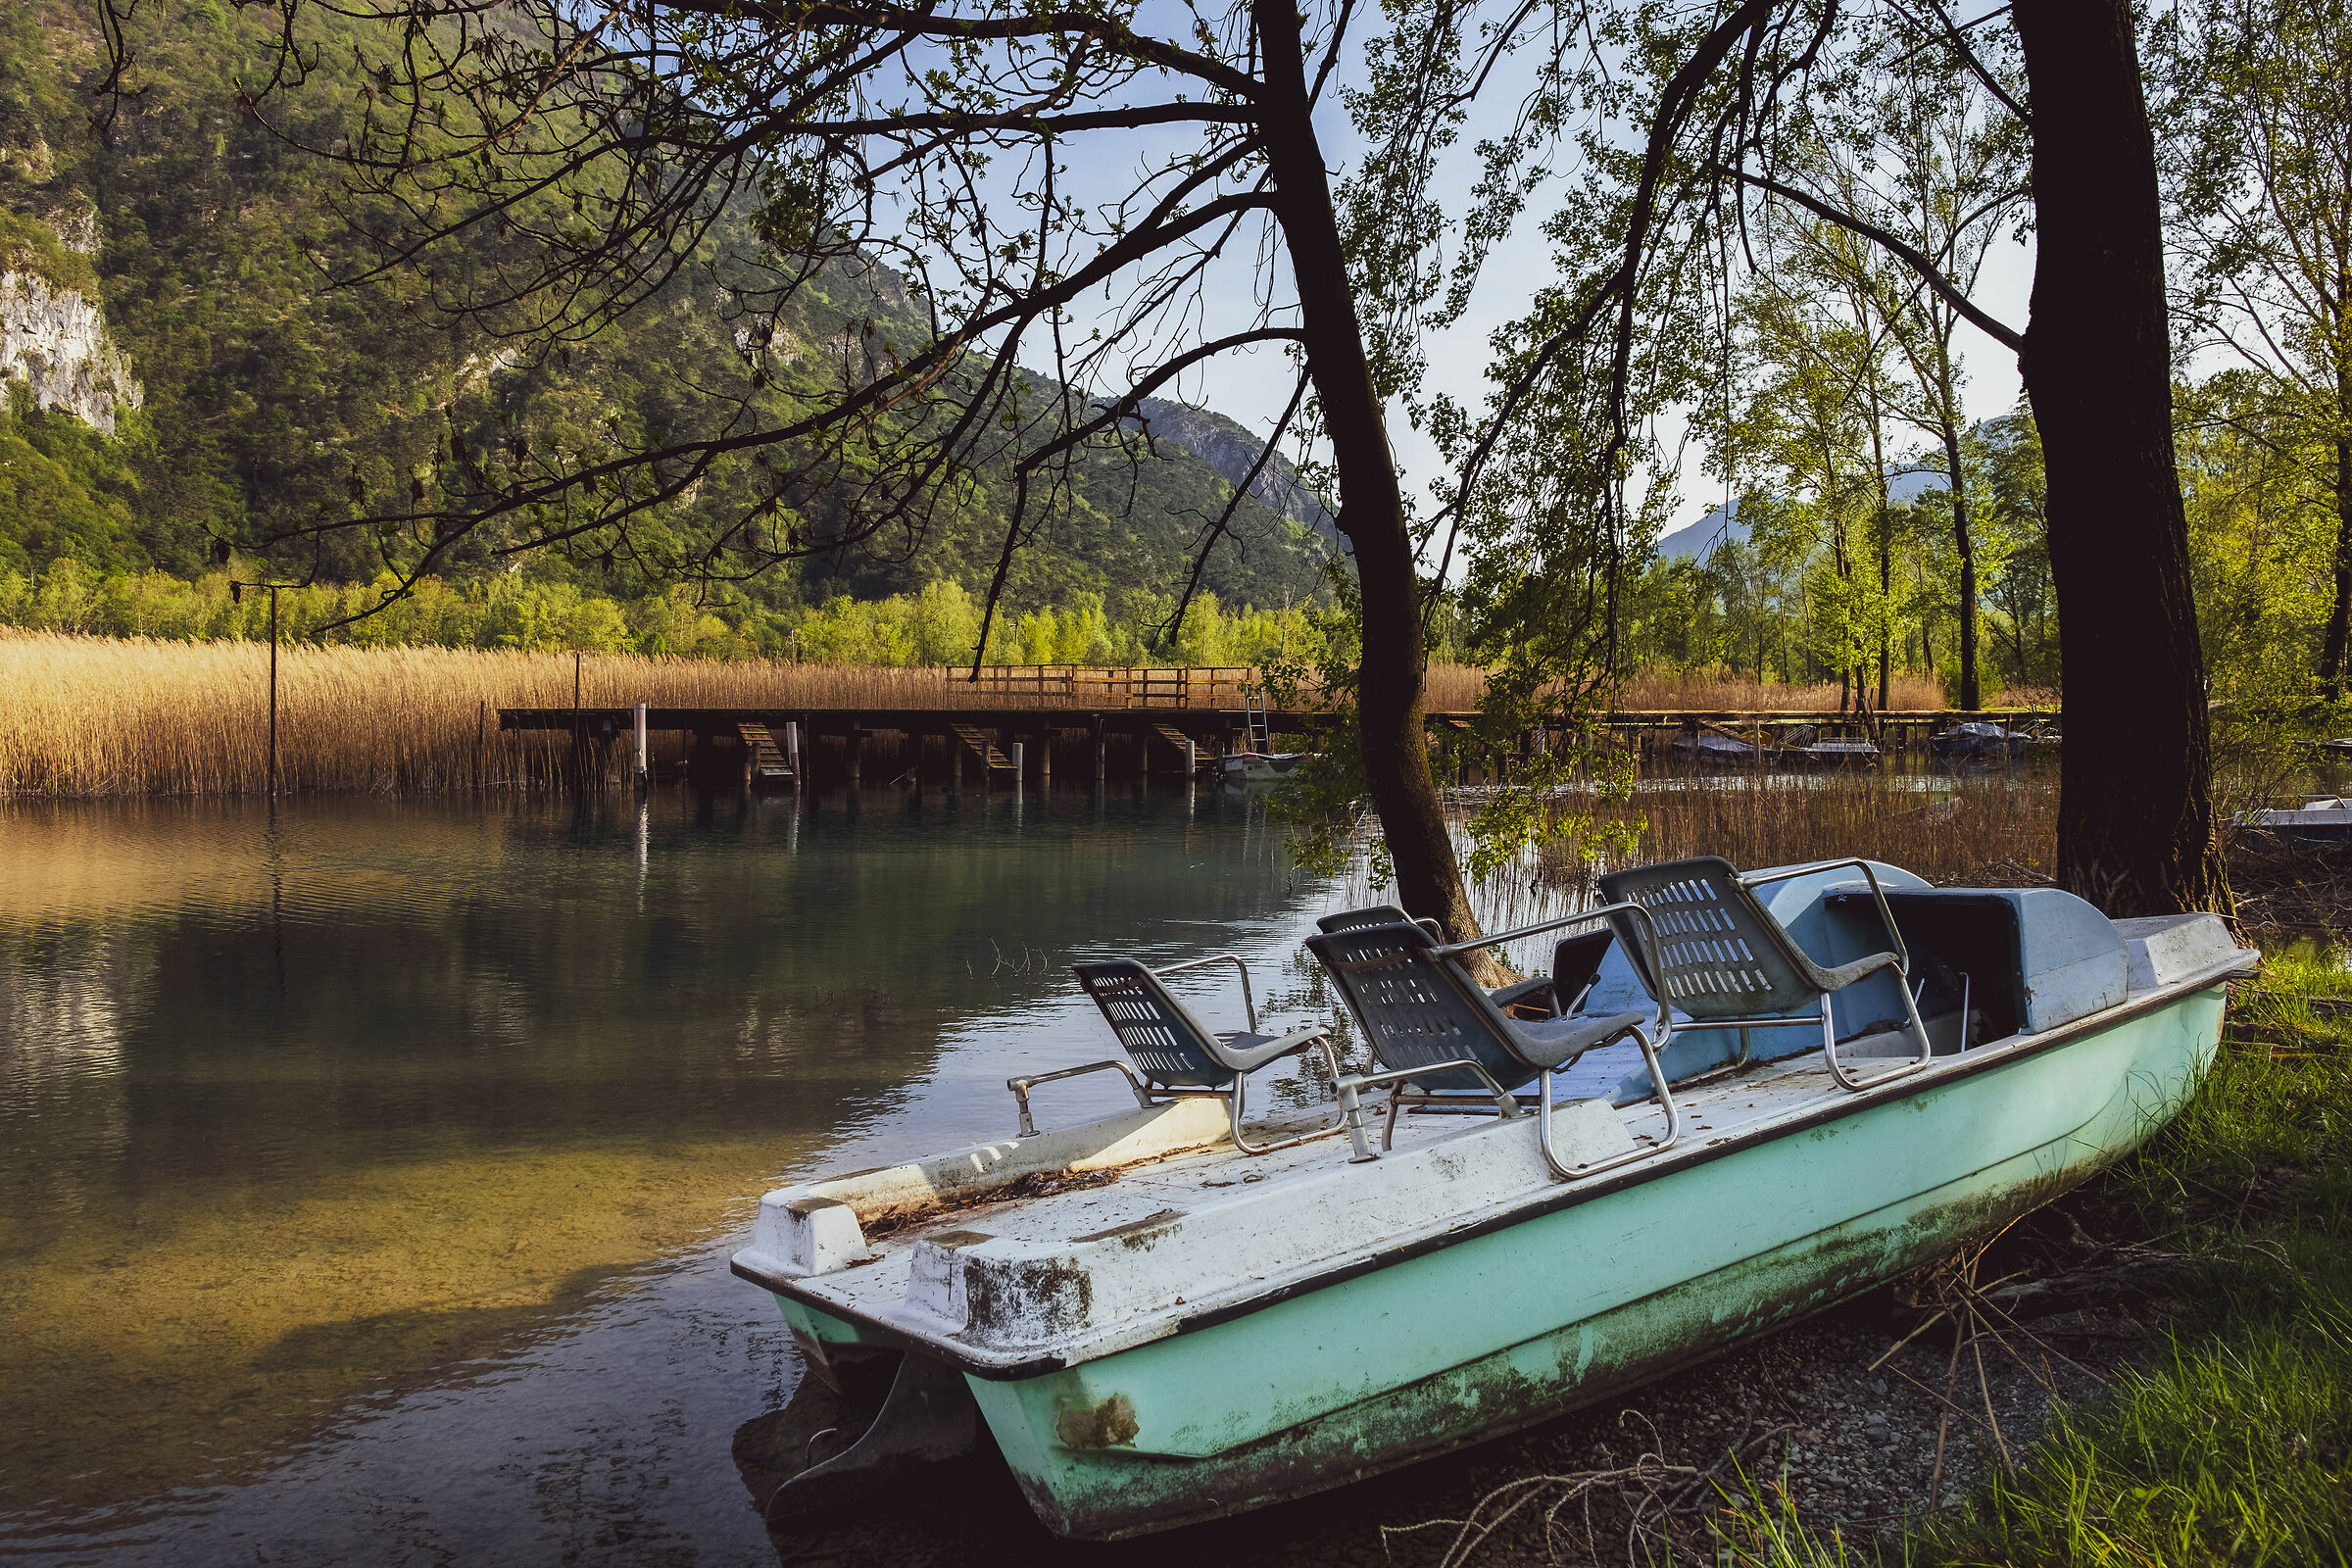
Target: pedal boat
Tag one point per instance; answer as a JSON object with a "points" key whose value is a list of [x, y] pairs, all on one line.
{"points": [[1156, 1328]]}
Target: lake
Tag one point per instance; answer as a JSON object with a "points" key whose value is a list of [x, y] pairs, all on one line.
{"points": [[369, 1170]]}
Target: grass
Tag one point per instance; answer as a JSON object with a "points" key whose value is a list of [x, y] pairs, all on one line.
{"points": [[2229, 1442]]}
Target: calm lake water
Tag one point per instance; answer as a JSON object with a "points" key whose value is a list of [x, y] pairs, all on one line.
{"points": [[368, 1173]]}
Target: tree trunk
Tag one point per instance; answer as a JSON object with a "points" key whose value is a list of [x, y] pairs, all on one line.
{"points": [[1429, 880], [2135, 808], [1883, 533], [1971, 696], [2339, 619]]}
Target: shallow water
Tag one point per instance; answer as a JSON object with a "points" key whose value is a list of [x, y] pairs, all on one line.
{"points": [[368, 1173]]}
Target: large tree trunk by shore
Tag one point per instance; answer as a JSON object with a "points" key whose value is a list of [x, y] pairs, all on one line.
{"points": [[2339, 616], [1413, 817], [1972, 694], [2135, 809]]}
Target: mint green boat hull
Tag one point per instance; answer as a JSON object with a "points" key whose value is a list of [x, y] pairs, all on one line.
{"points": [[1662, 1267]]}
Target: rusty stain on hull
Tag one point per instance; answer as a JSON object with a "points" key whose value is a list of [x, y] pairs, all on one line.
{"points": [[1101, 1426]]}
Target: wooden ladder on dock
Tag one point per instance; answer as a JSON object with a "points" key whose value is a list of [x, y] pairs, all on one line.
{"points": [[763, 760], [1253, 719], [984, 747]]}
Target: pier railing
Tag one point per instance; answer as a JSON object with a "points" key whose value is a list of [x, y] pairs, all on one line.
{"points": [[1217, 687]]}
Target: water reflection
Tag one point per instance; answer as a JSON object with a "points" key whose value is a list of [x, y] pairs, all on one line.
{"points": [[366, 1176]]}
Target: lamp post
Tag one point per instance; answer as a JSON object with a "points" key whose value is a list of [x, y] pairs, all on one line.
{"points": [[237, 596]]}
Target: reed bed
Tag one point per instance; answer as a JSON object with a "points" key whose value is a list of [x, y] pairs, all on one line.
{"points": [[95, 716], [1997, 829], [1653, 691], [105, 716]]}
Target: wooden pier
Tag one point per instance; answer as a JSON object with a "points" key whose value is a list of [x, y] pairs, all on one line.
{"points": [[1188, 724]]}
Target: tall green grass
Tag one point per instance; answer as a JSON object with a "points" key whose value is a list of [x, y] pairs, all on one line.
{"points": [[2231, 1443]]}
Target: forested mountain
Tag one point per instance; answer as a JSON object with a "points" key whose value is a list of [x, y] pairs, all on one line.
{"points": [[192, 354]]}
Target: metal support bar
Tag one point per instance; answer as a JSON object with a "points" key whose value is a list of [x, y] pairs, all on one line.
{"points": [[1233, 1105], [1352, 1088], [1248, 1005], [1919, 1030], [1020, 1087], [1658, 1089]]}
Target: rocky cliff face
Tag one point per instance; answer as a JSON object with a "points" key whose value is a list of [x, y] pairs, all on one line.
{"points": [[1229, 448], [54, 340]]}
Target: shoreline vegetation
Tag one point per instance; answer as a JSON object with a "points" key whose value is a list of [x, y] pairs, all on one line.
{"points": [[96, 715], [2224, 1436]]}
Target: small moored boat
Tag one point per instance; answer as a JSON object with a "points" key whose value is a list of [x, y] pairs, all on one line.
{"points": [[1977, 738], [1753, 1097], [2319, 819], [1261, 768]]}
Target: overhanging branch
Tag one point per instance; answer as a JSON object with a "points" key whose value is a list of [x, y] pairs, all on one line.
{"points": [[1952, 293]]}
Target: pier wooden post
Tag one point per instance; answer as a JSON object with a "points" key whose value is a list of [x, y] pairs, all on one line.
{"points": [[274, 691], [579, 740], [1096, 727], [1017, 763], [1045, 759], [856, 753], [644, 771]]}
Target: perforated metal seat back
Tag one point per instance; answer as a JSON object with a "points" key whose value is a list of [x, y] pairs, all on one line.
{"points": [[1374, 914], [1413, 1009], [1158, 1032], [1722, 955]]}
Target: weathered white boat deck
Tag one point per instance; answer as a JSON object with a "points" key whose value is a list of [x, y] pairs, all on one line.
{"points": [[1202, 1183]]}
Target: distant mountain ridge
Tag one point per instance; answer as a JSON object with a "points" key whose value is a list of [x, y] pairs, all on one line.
{"points": [[1229, 448], [1722, 525]]}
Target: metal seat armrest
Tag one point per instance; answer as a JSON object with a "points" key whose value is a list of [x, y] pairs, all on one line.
{"points": [[1581, 918], [1249, 1005], [1902, 953], [1020, 1087], [1267, 1051]]}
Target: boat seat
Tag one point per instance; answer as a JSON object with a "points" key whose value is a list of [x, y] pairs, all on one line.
{"points": [[1419, 1010], [1575, 964], [1721, 959], [1436, 1032], [1171, 1053], [1539, 993]]}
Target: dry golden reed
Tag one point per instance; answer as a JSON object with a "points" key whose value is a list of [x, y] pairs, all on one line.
{"points": [[1664, 690], [92, 715], [1999, 829]]}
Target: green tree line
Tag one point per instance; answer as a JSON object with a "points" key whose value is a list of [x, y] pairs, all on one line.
{"points": [[938, 624]]}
